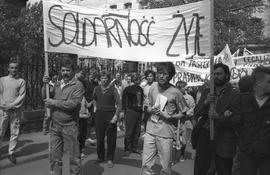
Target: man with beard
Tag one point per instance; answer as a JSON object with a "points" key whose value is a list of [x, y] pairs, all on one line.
{"points": [[12, 95], [219, 152], [165, 110], [132, 107], [64, 102], [252, 116]]}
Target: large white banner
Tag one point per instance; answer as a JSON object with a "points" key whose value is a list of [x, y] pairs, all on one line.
{"points": [[152, 35]]}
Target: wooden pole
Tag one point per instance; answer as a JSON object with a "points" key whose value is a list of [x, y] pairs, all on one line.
{"points": [[212, 105], [46, 63], [46, 59]]}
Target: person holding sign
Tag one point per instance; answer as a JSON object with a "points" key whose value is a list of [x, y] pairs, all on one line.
{"points": [[164, 109], [218, 154], [64, 102]]}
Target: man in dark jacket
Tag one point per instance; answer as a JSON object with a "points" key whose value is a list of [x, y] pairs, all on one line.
{"points": [[219, 152], [252, 114], [132, 106]]}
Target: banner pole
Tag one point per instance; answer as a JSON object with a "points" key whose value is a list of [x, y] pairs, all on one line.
{"points": [[212, 105], [46, 60]]}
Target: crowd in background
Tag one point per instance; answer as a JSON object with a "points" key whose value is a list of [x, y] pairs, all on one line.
{"points": [[86, 107], [120, 81]]}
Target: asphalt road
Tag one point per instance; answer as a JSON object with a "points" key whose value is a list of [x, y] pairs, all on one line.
{"points": [[32, 159]]}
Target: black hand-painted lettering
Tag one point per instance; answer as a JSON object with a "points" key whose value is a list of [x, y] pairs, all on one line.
{"points": [[56, 26], [148, 33], [86, 20], [118, 41], [64, 28], [174, 36], [198, 35]]}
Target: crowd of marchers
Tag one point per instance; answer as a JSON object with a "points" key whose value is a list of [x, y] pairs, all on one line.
{"points": [[86, 107]]}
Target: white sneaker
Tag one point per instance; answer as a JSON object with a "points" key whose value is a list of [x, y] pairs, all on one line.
{"points": [[182, 159], [91, 141]]}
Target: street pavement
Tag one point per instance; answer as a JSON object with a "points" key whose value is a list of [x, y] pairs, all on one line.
{"points": [[32, 159]]}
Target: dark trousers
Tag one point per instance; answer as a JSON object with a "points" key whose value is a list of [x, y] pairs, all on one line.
{"points": [[82, 132], [250, 165], [183, 150], [133, 121], [105, 128], [236, 162], [223, 165], [204, 153], [145, 117], [204, 157]]}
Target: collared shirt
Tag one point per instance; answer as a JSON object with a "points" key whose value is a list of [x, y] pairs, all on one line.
{"points": [[261, 101], [63, 84], [52, 83]]}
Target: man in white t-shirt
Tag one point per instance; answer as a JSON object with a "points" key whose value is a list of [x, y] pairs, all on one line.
{"points": [[164, 109]]}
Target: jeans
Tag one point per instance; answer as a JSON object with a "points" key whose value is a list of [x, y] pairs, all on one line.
{"points": [[153, 146], [133, 129], [64, 135], [46, 124], [13, 117]]}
